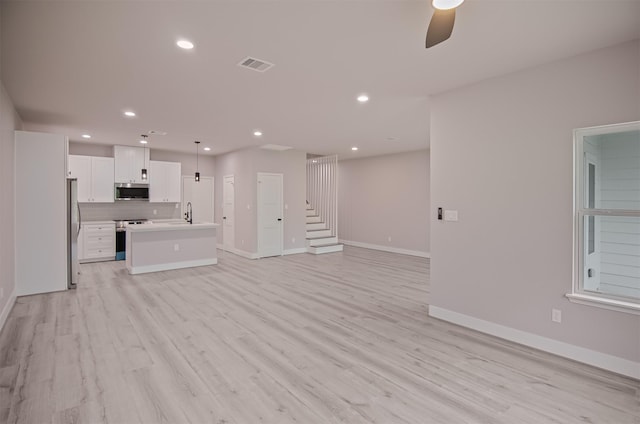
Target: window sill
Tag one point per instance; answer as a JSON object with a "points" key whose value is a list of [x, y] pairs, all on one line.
{"points": [[600, 302]]}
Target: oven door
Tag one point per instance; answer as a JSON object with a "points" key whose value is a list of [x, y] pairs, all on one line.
{"points": [[121, 243]]}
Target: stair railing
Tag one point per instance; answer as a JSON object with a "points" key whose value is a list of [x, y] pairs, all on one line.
{"points": [[322, 189]]}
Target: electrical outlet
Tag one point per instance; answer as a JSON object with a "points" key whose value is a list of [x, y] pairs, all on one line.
{"points": [[242, 242], [293, 239], [155, 212], [177, 204], [556, 315], [176, 247], [286, 206]]}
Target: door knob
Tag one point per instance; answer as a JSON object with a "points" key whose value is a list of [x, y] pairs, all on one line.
{"points": [[224, 217], [279, 219]]}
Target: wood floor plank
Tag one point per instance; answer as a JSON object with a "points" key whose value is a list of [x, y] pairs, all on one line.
{"points": [[337, 338]]}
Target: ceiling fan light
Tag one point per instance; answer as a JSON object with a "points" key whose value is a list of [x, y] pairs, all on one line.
{"points": [[446, 4]]}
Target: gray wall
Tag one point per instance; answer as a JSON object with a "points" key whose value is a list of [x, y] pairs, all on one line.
{"points": [[143, 210], [9, 122], [502, 156], [385, 196], [244, 165]]}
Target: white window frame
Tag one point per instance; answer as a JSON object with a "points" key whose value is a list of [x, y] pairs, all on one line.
{"points": [[579, 294]]}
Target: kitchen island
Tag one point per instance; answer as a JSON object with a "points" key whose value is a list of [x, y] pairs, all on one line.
{"points": [[170, 245]]}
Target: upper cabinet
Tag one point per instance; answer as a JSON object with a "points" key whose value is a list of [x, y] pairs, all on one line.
{"points": [[129, 163], [95, 178], [164, 182]]}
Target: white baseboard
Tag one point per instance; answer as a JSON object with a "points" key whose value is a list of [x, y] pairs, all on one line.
{"points": [[294, 251], [576, 353], [175, 265], [386, 248], [7, 309], [239, 252]]}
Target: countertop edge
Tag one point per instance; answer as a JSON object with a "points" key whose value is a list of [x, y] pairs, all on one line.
{"points": [[171, 227]]}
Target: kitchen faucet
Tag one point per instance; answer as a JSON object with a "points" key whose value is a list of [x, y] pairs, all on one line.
{"points": [[188, 215]]}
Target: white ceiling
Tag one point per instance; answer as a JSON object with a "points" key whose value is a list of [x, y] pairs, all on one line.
{"points": [[74, 67]]}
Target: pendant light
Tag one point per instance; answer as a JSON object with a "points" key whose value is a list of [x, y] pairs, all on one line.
{"points": [[144, 170], [197, 173]]}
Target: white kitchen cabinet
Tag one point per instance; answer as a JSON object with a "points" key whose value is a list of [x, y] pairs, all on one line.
{"points": [[80, 168], [95, 178], [97, 242], [129, 163], [164, 182]]}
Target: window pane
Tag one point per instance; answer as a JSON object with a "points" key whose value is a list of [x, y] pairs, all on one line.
{"points": [[612, 170], [612, 256], [591, 198], [592, 230]]}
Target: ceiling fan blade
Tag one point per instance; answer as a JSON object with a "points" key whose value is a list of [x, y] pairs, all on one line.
{"points": [[440, 27]]}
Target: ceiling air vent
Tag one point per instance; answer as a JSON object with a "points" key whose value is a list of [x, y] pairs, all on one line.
{"points": [[255, 64]]}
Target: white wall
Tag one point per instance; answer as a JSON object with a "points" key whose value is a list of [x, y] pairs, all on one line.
{"points": [[502, 156], [244, 165], [385, 197], [9, 122]]}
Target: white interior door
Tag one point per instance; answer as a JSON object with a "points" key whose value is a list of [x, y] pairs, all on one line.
{"points": [[269, 215], [200, 194], [228, 212], [592, 224]]}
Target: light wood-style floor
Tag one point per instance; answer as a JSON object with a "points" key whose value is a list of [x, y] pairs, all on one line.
{"points": [[338, 338]]}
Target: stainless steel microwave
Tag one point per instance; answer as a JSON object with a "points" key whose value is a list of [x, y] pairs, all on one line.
{"points": [[130, 191]]}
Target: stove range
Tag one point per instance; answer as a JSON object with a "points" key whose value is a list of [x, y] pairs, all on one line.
{"points": [[122, 224], [121, 235]]}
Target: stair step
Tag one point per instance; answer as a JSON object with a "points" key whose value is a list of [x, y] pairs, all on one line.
{"points": [[314, 234], [316, 226], [323, 241], [313, 219], [329, 248], [311, 212]]}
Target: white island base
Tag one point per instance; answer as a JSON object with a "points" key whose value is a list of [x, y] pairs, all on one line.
{"points": [[174, 245]]}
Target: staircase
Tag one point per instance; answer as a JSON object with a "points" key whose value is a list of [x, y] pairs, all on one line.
{"points": [[319, 237]]}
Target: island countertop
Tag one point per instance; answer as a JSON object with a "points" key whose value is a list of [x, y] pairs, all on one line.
{"points": [[163, 246], [171, 226]]}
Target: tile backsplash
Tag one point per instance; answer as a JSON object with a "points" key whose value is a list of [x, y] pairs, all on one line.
{"points": [[129, 210]]}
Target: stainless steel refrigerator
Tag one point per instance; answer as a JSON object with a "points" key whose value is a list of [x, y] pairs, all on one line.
{"points": [[74, 222]]}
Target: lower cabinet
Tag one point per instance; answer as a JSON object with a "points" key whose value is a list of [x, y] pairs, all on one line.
{"points": [[97, 242]]}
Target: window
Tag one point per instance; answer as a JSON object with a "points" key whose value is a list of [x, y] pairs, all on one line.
{"points": [[607, 217]]}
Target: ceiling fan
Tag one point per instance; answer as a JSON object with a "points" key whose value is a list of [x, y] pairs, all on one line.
{"points": [[441, 25]]}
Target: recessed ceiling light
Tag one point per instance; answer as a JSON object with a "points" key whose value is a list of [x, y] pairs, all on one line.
{"points": [[363, 98], [185, 44], [207, 149], [86, 136], [446, 4], [354, 148], [257, 133], [129, 113], [314, 161]]}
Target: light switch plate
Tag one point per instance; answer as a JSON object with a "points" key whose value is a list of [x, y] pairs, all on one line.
{"points": [[450, 215]]}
